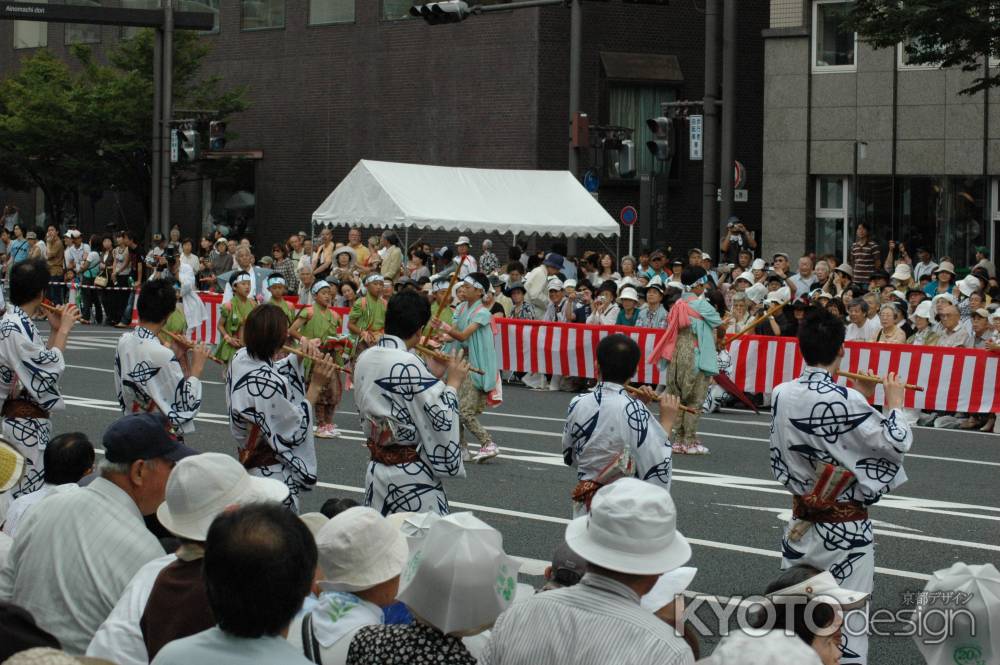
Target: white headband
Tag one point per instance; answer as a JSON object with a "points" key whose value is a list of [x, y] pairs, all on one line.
{"points": [[374, 278], [275, 281], [245, 277], [319, 286], [474, 283]]}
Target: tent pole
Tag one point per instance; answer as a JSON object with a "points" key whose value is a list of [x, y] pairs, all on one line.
{"points": [[406, 242]]}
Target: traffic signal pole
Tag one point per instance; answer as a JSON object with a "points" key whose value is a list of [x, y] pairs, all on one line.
{"points": [[154, 157], [710, 182], [728, 110], [166, 97]]}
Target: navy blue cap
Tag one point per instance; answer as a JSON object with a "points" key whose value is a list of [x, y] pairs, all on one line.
{"points": [[143, 436]]}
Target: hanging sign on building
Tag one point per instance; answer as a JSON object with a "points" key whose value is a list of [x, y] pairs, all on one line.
{"points": [[695, 136]]}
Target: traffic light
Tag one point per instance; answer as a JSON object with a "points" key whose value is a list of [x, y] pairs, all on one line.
{"points": [[190, 145], [216, 135], [448, 11], [662, 143], [626, 159]]}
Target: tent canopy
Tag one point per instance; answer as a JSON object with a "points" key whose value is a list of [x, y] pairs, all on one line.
{"points": [[390, 194]]}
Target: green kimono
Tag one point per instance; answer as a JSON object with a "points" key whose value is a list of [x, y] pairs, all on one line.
{"points": [[234, 315], [319, 324], [176, 322], [369, 314], [447, 316], [283, 305]]}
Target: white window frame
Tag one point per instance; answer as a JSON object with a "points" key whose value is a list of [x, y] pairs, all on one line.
{"points": [[902, 64], [836, 213], [829, 69]]}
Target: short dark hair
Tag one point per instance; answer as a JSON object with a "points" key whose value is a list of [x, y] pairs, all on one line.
{"points": [[794, 615], [259, 565], [28, 280], [821, 337], [265, 331], [68, 457], [858, 302], [618, 358], [515, 266], [333, 507], [407, 312], [157, 300]]}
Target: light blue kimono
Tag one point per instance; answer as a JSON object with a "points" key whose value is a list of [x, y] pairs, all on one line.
{"points": [[479, 347]]}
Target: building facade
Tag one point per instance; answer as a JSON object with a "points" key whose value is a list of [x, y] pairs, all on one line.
{"points": [[334, 81], [857, 134]]}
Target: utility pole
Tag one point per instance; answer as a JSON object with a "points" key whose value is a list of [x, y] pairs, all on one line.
{"points": [[167, 101], [710, 182], [575, 49], [154, 189], [728, 109]]}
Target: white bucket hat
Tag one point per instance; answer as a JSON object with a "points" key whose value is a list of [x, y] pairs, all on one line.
{"points": [[202, 486], [782, 295], [757, 293], [459, 579], [668, 587], [773, 648], [569, 284], [902, 273], [462, 240], [943, 296], [824, 587], [314, 521], [924, 310], [758, 264], [746, 277], [974, 639], [969, 285], [628, 293], [555, 284], [359, 549], [631, 528]]}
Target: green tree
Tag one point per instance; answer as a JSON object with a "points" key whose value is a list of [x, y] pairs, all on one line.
{"points": [[82, 131], [950, 33]]}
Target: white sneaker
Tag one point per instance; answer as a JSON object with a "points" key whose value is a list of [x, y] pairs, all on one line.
{"points": [[487, 452], [467, 455]]}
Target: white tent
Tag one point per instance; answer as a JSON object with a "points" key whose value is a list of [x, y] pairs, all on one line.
{"points": [[389, 194]]}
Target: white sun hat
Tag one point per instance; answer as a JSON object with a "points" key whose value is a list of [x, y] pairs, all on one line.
{"points": [[202, 486], [631, 528], [628, 293], [973, 594], [782, 295], [314, 521], [758, 264], [459, 579], [969, 285], [924, 310], [359, 549], [772, 648], [902, 273], [668, 587], [824, 587], [757, 293], [462, 240]]}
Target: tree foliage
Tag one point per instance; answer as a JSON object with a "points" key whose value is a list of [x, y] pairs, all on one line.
{"points": [[84, 130], [949, 33]]}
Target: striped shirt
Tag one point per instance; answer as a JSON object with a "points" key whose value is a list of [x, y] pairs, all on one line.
{"points": [[73, 557], [597, 622], [864, 256]]}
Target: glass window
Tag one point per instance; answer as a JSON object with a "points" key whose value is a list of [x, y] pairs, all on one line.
{"points": [[905, 60], [263, 14], [31, 34], [874, 207], [323, 12], [80, 33], [396, 9], [831, 215], [945, 214], [207, 6], [833, 42], [129, 32], [631, 106]]}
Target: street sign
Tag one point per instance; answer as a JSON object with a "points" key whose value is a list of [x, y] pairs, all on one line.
{"points": [[741, 196], [739, 175], [628, 215], [151, 18], [174, 146], [591, 181], [695, 136]]}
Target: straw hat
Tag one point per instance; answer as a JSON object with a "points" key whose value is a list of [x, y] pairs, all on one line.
{"points": [[459, 579], [11, 466]]}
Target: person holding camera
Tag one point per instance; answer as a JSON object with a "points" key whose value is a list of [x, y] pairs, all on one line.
{"points": [[735, 240]]}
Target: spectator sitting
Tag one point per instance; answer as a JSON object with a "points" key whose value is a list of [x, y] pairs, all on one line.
{"points": [[68, 458], [979, 626], [361, 555], [456, 583], [842, 280], [800, 599], [836, 307], [782, 323], [628, 315], [944, 280], [922, 320], [629, 540], [199, 489], [890, 333], [259, 565], [952, 332], [71, 589], [981, 330], [604, 311], [861, 328]]}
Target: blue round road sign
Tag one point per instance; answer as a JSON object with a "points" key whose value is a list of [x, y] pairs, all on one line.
{"points": [[591, 181], [628, 215]]}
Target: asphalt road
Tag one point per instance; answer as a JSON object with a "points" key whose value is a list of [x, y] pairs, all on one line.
{"points": [[729, 506]]}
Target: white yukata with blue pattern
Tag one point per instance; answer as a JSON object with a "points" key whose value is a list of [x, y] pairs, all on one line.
{"points": [[816, 420], [146, 371], [31, 371], [601, 424], [392, 385], [272, 395]]}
